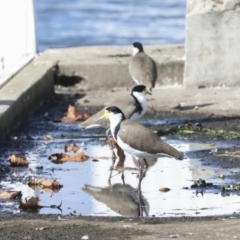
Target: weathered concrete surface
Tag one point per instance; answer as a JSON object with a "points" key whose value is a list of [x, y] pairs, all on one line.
{"points": [[23, 94], [212, 43], [107, 67], [201, 102]]}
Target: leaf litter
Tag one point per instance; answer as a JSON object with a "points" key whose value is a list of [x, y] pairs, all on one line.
{"points": [[44, 183], [35, 203], [10, 194], [73, 115], [59, 158], [18, 161]]}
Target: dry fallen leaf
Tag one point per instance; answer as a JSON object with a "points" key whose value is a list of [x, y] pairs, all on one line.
{"points": [[31, 203], [56, 157], [79, 156], [18, 161], [164, 189], [222, 176], [44, 183], [73, 115], [73, 148], [48, 137], [10, 194]]}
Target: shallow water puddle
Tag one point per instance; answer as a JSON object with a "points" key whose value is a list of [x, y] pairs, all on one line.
{"points": [[86, 189]]}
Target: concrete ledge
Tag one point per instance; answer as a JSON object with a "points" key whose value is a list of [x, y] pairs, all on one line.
{"points": [[107, 67], [23, 94], [178, 101]]}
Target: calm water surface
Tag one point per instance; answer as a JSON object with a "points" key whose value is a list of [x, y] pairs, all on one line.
{"points": [[68, 23]]}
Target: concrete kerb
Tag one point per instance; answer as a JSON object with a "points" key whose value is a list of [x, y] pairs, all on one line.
{"points": [[23, 94]]}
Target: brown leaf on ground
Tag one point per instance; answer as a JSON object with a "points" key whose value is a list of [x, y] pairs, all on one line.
{"points": [[73, 148], [45, 190], [55, 157], [18, 161], [31, 203], [73, 115], [164, 189], [10, 194], [79, 156], [45, 183], [48, 138], [222, 176]]}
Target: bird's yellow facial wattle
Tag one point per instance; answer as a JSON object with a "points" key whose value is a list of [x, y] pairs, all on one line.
{"points": [[105, 115], [147, 92]]}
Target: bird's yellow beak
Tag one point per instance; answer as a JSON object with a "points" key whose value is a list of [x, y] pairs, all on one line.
{"points": [[105, 115], [147, 92]]}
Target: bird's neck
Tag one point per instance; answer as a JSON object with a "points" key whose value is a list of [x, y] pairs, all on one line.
{"points": [[141, 102], [115, 121], [135, 51]]}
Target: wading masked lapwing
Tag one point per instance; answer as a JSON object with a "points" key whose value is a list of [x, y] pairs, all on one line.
{"points": [[133, 105], [142, 68], [137, 140]]}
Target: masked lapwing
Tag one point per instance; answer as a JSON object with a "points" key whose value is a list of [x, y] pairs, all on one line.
{"points": [[142, 68], [134, 107], [137, 140]]}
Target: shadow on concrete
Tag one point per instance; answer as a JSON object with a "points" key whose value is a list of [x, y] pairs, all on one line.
{"points": [[68, 81], [190, 107], [6, 102]]}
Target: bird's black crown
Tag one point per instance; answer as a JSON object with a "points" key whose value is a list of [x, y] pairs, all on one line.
{"points": [[114, 109], [139, 88], [138, 45]]}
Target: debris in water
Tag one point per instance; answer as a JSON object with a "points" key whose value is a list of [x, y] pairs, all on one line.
{"points": [[10, 194], [73, 115], [201, 183], [79, 156], [164, 189], [73, 148], [31, 203], [18, 161], [44, 183]]}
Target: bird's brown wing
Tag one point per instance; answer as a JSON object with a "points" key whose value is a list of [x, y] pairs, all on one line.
{"points": [[144, 69], [143, 139], [126, 104]]}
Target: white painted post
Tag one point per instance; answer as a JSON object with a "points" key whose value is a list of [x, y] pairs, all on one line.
{"points": [[17, 36]]}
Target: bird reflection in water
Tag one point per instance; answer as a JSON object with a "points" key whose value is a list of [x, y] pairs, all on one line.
{"points": [[121, 198]]}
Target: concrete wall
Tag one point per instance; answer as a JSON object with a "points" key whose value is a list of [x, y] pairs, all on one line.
{"points": [[212, 43]]}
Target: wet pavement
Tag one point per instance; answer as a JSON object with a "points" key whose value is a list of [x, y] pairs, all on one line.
{"points": [[86, 190]]}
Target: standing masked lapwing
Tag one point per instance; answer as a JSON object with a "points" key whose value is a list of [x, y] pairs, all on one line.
{"points": [[137, 140], [142, 68], [134, 105]]}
